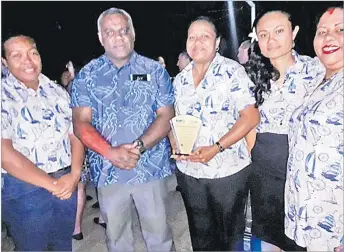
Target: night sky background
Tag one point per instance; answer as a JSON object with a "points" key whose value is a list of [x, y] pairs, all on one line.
{"points": [[67, 30]]}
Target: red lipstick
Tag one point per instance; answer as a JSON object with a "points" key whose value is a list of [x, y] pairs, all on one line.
{"points": [[328, 49]]}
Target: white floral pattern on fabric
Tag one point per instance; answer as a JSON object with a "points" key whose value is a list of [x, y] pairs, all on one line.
{"points": [[223, 92], [314, 187], [38, 122], [279, 104]]}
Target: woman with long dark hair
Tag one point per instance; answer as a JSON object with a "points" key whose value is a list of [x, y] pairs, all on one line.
{"points": [[282, 78]]}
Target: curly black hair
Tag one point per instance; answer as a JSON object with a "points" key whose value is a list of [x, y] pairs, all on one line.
{"points": [[259, 68]]}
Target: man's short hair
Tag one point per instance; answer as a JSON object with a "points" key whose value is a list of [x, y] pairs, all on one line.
{"points": [[113, 11], [185, 53], [11, 36]]}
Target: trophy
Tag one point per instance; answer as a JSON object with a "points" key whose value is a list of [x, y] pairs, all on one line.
{"points": [[185, 130]]}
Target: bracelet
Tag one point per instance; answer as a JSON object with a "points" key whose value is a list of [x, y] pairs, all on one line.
{"points": [[221, 149]]}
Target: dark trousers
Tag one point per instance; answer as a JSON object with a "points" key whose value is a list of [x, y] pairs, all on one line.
{"points": [[215, 210], [37, 220], [267, 183]]}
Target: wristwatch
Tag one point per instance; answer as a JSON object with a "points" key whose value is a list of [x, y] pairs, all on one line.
{"points": [[140, 146], [221, 149]]}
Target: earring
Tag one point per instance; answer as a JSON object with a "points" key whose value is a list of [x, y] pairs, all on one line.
{"points": [[293, 43], [217, 49]]}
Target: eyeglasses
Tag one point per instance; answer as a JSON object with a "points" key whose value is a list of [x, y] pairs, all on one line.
{"points": [[121, 32]]}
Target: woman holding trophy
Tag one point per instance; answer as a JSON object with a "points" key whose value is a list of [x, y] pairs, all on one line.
{"points": [[213, 177]]}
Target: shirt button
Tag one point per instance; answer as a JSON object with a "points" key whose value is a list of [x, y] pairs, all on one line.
{"points": [[120, 126]]}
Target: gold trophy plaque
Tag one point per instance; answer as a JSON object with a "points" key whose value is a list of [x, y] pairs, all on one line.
{"points": [[185, 129]]}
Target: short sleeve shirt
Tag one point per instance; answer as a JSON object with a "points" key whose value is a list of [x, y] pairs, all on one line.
{"points": [[280, 103], [314, 188], [38, 122], [124, 104], [217, 101]]}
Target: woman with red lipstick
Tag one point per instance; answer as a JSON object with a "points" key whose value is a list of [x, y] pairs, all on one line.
{"points": [[314, 188], [282, 78]]}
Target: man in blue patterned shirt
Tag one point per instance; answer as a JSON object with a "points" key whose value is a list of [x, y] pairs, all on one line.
{"points": [[122, 104]]}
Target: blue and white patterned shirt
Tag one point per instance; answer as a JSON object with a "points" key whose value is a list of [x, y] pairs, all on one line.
{"points": [[281, 102], [217, 101], [4, 71], [122, 110], [38, 122], [314, 187]]}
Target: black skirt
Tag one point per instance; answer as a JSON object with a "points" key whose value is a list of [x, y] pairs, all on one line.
{"points": [[266, 183]]}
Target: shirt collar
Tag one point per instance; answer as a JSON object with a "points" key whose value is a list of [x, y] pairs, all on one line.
{"points": [[295, 68], [299, 64], [131, 60], [213, 62], [334, 80], [42, 80]]}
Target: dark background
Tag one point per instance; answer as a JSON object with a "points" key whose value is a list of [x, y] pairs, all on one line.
{"points": [[68, 30]]}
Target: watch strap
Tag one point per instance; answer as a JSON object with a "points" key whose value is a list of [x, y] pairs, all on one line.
{"points": [[221, 149]]}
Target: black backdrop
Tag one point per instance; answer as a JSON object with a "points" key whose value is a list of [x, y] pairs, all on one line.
{"points": [[67, 30]]}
